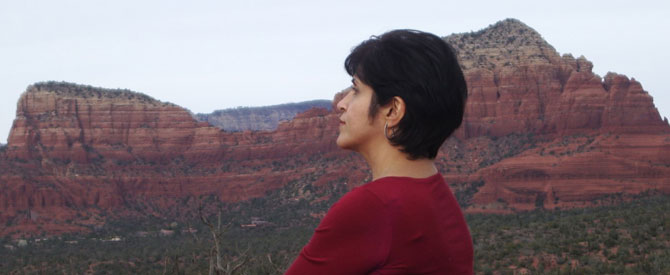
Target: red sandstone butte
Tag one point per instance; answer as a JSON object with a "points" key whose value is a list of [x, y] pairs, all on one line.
{"points": [[540, 131]]}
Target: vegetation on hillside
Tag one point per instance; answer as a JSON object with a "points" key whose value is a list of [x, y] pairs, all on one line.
{"points": [[259, 118], [266, 234], [88, 91]]}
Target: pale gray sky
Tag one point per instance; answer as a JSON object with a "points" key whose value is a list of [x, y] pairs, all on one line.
{"points": [[208, 55]]}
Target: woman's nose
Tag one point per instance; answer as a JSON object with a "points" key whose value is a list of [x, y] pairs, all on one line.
{"points": [[342, 104]]}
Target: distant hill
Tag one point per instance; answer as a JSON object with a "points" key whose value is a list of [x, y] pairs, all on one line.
{"points": [[264, 118]]}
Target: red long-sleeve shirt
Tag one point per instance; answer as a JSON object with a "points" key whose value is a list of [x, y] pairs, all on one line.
{"points": [[393, 225]]}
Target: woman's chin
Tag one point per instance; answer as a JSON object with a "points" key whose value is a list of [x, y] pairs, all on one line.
{"points": [[342, 143], [339, 143]]}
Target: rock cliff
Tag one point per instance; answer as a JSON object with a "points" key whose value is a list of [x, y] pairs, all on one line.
{"points": [[517, 82], [541, 131], [77, 148], [594, 137]]}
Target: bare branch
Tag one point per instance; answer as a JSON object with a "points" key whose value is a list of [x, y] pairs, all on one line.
{"points": [[189, 228], [216, 263], [165, 264]]}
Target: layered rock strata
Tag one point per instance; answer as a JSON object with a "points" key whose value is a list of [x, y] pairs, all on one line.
{"points": [[541, 131]]}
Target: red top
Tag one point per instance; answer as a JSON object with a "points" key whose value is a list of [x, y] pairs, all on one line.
{"points": [[393, 225]]}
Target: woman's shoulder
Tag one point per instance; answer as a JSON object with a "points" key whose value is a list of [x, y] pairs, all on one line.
{"points": [[358, 208], [364, 194]]}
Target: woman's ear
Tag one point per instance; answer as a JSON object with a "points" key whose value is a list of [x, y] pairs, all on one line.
{"points": [[395, 112]]}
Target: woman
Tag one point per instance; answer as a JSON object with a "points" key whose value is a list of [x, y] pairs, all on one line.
{"points": [[407, 97]]}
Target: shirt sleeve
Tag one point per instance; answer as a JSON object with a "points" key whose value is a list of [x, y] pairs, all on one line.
{"points": [[353, 238]]}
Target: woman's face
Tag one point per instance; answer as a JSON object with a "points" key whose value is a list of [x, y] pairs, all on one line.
{"points": [[357, 129]]}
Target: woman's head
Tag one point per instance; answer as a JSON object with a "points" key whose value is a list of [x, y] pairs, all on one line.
{"points": [[422, 70]]}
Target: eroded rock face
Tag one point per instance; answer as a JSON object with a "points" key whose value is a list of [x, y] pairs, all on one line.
{"points": [[76, 147], [575, 171], [517, 83], [78, 123], [541, 130]]}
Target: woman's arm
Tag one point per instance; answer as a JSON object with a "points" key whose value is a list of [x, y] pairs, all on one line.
{"points": [[353, 238]]}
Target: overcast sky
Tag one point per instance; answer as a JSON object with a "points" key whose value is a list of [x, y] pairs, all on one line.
{"points": [[209, 55]]}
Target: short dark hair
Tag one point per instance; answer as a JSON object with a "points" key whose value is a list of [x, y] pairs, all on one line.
{"points": [[422, 69]]}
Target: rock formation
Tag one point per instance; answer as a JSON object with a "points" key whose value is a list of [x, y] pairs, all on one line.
{"points": [[74, 147], [541, 131], [517, 83]]}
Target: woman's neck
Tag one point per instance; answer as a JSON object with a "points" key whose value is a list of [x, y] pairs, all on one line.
{"points": [[389, 161]]}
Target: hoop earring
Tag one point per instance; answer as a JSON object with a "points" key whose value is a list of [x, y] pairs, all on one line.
{"points": [[386, 125]]}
